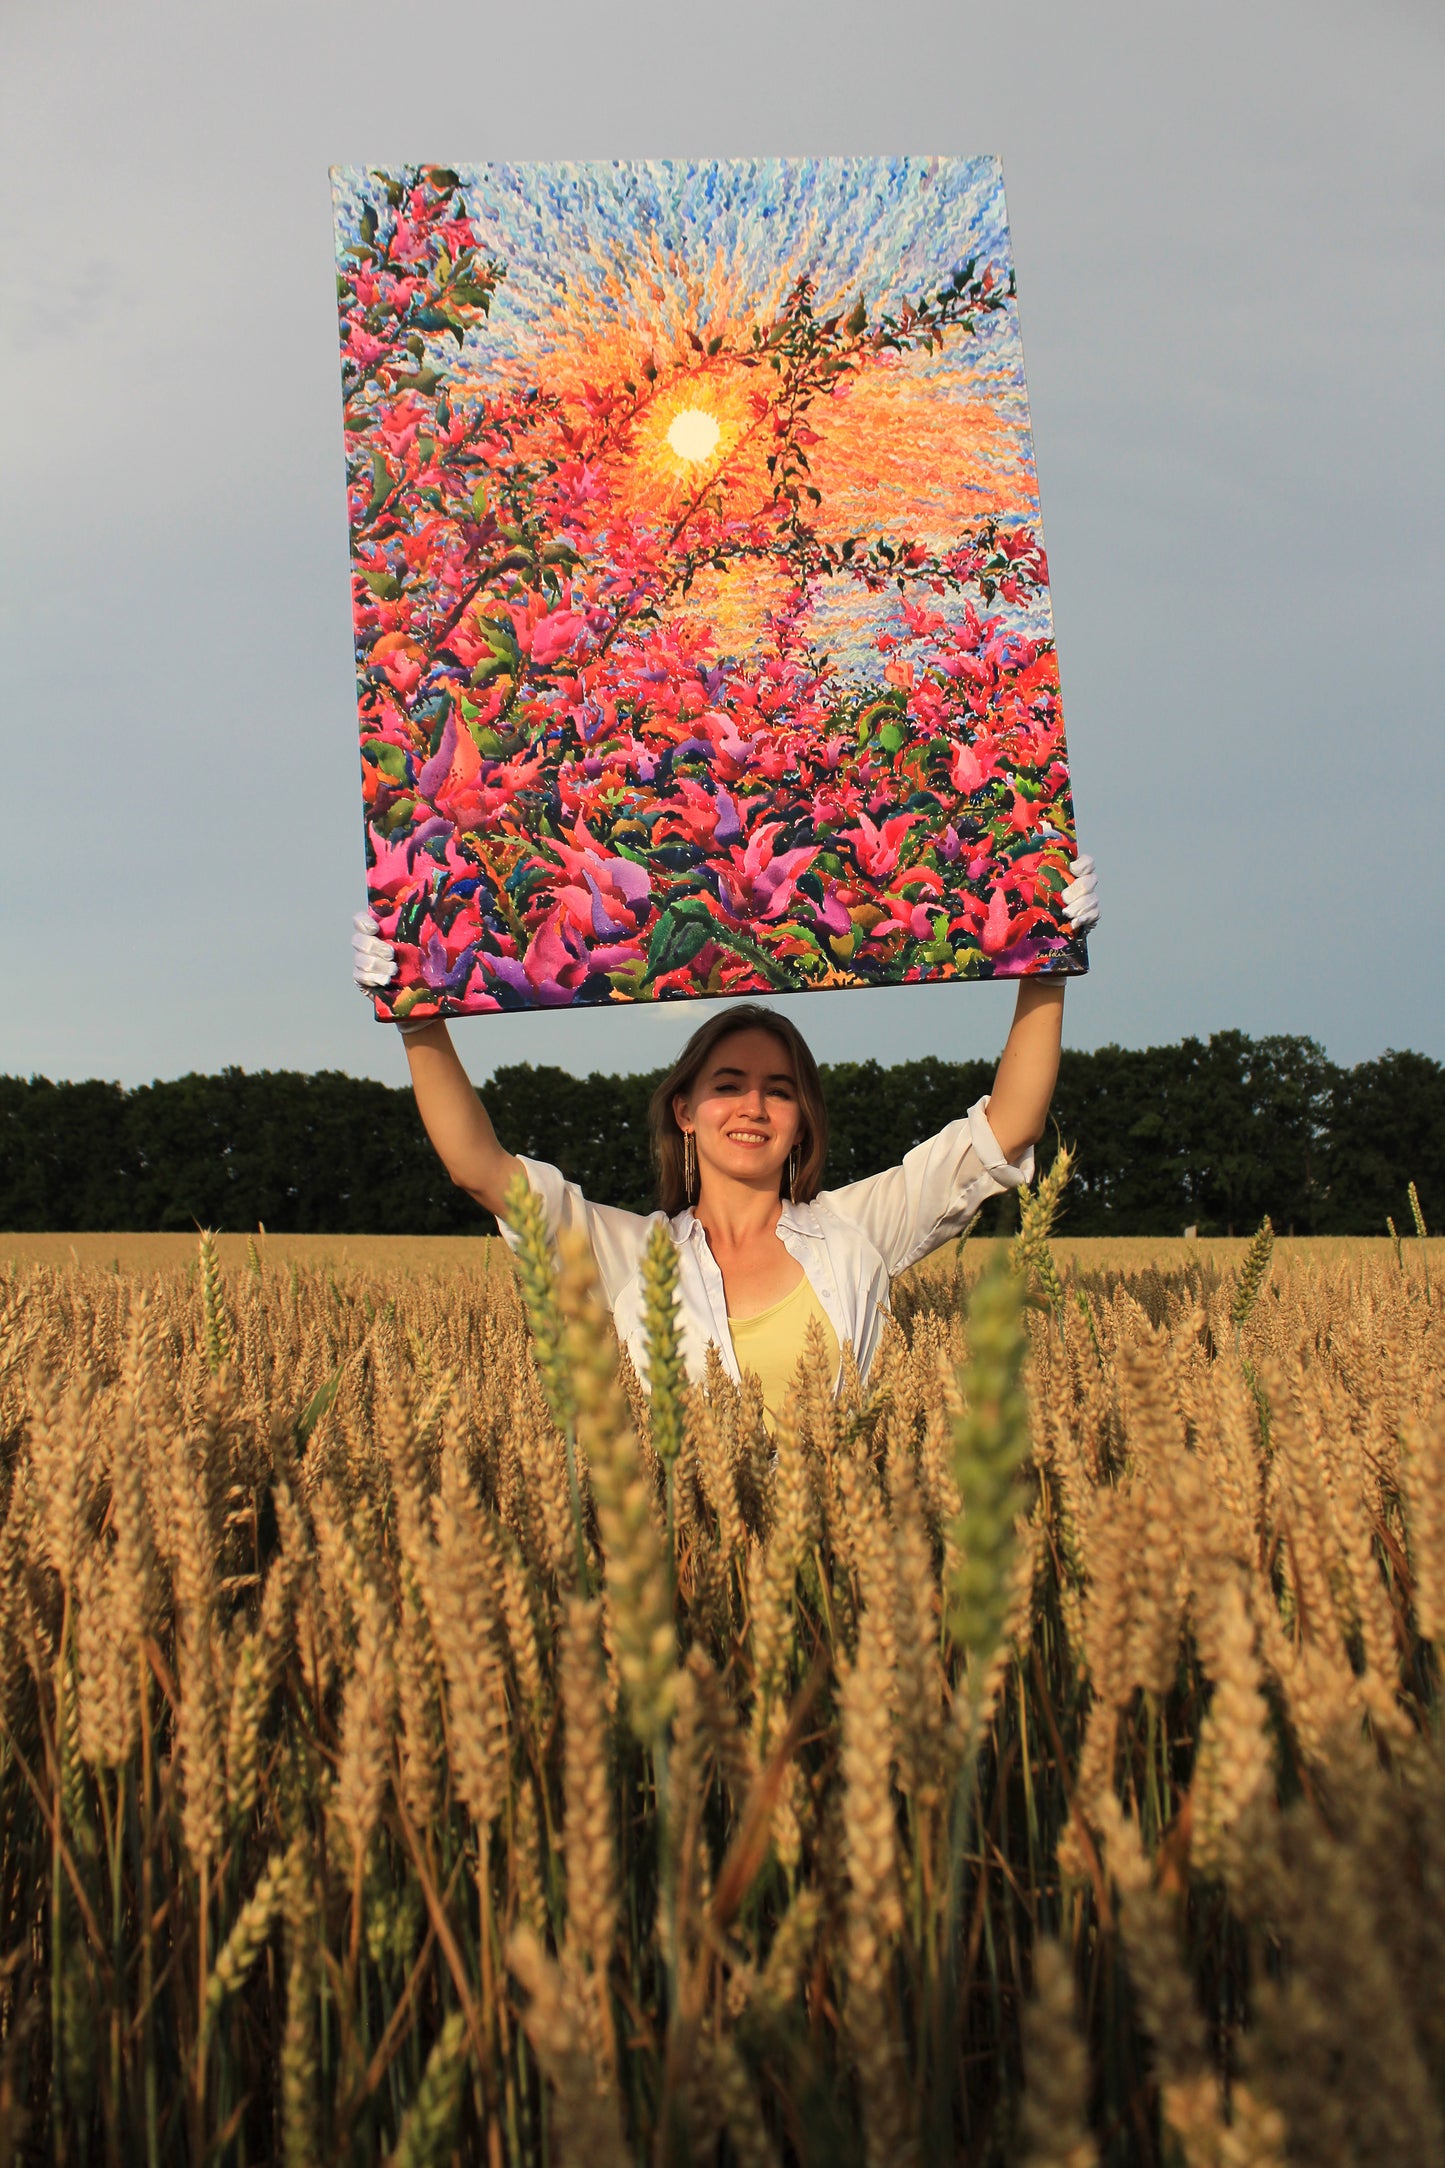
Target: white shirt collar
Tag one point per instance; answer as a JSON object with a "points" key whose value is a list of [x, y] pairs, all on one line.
{"points": [[799, 1219]]}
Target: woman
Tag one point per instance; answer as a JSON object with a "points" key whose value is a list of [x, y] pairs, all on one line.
{"points": [[740, 1135]]}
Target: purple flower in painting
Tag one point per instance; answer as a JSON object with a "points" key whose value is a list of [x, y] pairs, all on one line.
{"points": [[437, 769], [757, 884], [831, 915], [729, 828], [444, 977], [605, 928], [620, 956]]}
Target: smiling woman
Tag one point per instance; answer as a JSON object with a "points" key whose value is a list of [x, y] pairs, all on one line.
{"points": [[740, 1142]]}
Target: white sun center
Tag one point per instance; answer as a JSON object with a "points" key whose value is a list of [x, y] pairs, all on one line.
{"points": [[694, 435]]}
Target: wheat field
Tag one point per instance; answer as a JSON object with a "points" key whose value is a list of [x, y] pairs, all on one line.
{"points": [[417, 1746]]}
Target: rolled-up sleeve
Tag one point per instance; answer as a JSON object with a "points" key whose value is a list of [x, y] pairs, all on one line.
{"points": [[617, 1239], [931, 1196]]}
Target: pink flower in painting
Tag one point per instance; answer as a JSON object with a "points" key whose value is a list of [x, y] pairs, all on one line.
{"points": [[995, 934], [922, 621], [398, 426], [390, 876], [553, 963], [402, 670], [758, 885], [911, 918], [876, 849], [605, 898], [555, 636], [407, 243], [362, 347], [967, 772], [465, 643], [702, 816], [542, 634], [832, 917]]}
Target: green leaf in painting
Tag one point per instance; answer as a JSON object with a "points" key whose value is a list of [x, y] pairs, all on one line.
{"points": [[380, 484], [676, 940]]}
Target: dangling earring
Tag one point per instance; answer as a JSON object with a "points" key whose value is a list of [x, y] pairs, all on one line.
{"points": [[793, 1175], [689, 1166]]}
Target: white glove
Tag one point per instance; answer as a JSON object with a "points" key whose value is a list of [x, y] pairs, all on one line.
{"points": [[373, 961], [1080, 899]]}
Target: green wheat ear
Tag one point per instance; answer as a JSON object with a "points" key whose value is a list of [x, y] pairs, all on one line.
{"points": [[526, 1216], [1031, 1255], [664, 1354], [220, 1340], [428, 2130], [990, 1441], [1419, 1218], [1253, 1272]]}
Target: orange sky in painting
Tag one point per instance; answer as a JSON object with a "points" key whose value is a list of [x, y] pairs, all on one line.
{"points": [[912, 447], [904, 453]]}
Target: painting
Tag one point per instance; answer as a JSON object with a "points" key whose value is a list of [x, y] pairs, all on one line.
{"points": [[702, 624]]}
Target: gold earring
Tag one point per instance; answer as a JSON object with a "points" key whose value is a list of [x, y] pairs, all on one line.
{"points": [[793, 1175], [689, 1166]]}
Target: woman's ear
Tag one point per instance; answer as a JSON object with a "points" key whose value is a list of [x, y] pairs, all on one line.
{"points": [[680, 1112]]}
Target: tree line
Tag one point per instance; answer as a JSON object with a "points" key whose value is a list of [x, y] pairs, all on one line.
{"points": [[1209, 1133]]}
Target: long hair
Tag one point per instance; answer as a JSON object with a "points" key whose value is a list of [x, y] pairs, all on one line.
{"points": [[667, 1145]]}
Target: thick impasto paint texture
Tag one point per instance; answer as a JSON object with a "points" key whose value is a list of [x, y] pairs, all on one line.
{"points": [[703, 638]]}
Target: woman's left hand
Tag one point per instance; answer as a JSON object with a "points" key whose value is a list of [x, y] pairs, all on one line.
{"points": [[1080, 900]]}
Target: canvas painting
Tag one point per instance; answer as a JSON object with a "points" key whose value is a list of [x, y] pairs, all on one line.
{"points": [[702, 624]]}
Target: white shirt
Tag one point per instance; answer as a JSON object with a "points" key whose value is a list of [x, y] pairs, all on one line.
{"points": [[850, 1242]]}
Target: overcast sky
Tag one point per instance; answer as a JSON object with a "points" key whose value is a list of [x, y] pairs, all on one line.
{"points": [[1227, 225]]}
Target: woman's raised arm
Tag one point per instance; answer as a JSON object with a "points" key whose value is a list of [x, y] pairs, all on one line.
{"points": [[1028, 1069], [454, 1118]]}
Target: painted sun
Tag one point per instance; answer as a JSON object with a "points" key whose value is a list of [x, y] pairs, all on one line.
{"points": [[694, 435]]}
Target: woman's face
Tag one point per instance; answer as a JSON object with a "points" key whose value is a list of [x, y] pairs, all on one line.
{"points": [[744, 1109]]}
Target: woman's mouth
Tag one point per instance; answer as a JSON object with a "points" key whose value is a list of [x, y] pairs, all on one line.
{"points": [[750, 1137]]}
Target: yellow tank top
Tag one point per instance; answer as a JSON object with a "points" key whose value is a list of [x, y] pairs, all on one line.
{"points": [[772, 1342]]}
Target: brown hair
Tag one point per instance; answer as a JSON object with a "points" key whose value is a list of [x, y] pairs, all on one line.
{"points": [[680, 1078]]}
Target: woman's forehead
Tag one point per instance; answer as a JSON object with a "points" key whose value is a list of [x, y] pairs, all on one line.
{"points": [[750, 1052]]}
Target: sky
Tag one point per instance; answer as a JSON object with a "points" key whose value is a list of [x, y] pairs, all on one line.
{"points": [[1227, 229]]}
